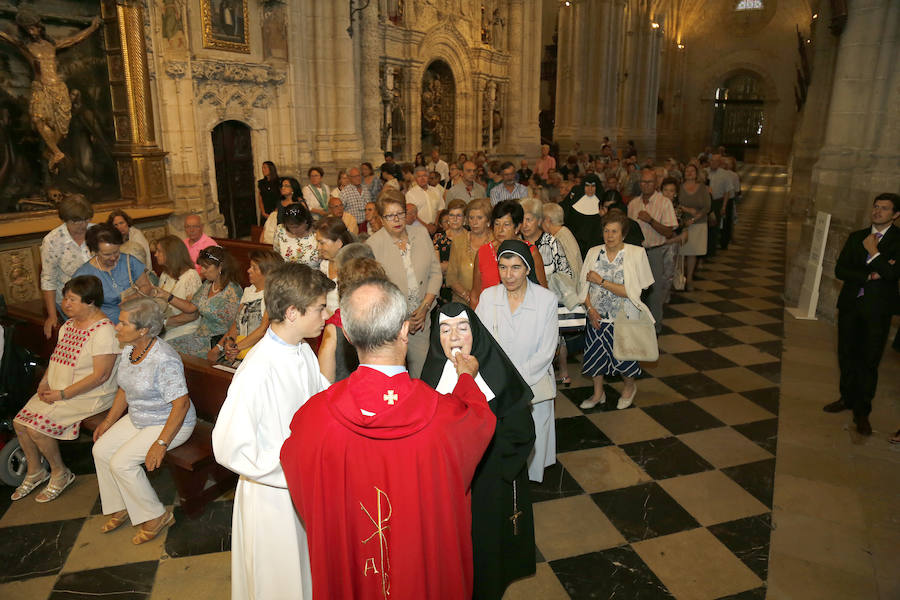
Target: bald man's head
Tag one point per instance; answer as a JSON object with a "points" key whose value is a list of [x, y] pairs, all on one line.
{"points": [[193, 227]]}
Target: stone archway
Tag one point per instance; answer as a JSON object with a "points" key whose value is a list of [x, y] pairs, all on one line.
{"points": [[438, 108], [739, 113]]}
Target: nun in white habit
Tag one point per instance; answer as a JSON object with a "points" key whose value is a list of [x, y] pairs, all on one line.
{"points": [[522, 317], [269, 552]]}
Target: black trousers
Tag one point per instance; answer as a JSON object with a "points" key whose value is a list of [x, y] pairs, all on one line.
{"points": [[727, 224], [713, 231], [861, 340]]}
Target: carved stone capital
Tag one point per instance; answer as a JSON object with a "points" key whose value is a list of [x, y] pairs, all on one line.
{"points": [[210, 70]]}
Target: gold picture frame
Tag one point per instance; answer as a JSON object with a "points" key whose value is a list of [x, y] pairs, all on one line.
{"points": [[225, 25]]}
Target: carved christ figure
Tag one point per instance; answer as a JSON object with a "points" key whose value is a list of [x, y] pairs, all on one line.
{"points": [[50, 107]]}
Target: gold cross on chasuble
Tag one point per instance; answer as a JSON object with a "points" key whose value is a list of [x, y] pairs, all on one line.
{"points": [[391, 397]]}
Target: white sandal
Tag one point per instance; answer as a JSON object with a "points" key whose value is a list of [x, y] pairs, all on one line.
{"points": [[53, 490], [29, 484]]}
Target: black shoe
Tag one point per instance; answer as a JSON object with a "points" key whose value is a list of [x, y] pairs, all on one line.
{"points": [[862, 425], [835, 407]]}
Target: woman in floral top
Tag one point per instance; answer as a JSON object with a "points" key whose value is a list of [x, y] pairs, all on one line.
{"points": [[252, 321], [295, 239], [216, 303], [611, 280]]}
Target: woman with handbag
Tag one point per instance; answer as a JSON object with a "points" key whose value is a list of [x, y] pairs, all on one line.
{"points": [[611, 281]]}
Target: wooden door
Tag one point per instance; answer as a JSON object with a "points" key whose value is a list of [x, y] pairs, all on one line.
{"points": [[235, 181]]}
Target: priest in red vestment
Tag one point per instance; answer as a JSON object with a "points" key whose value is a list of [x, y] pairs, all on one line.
{"points": [[380, 465]]}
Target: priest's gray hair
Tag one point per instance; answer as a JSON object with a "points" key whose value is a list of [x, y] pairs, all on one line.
{"points": [[145, 313], [373, 312]]}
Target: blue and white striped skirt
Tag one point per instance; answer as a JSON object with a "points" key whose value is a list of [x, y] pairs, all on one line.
{"points": [[598, 354]]}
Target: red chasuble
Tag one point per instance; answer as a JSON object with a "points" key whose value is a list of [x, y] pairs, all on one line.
{"points": [[379, 469]]}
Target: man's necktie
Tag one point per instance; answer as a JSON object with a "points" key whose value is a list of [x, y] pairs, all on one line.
{"points": [[878, 235]]}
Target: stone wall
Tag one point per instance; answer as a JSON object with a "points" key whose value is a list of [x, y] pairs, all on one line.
{"points": [[859, 152], [313, 84], [720, 42]]}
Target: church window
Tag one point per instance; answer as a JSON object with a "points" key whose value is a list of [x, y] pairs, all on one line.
{"points": [[749, 5]]}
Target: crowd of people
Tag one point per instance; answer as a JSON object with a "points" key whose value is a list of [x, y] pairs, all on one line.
{"points": [[399, 346]]}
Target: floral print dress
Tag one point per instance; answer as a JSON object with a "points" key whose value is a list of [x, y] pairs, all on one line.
{"points": [[216, 315]]}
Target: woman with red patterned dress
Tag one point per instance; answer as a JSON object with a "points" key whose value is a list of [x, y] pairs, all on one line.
{"points": [[78, 383]]}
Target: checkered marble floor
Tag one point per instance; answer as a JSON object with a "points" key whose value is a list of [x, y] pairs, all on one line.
{"points": [[669, 498]]}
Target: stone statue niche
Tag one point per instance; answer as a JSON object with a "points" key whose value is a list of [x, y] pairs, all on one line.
{"points": [[438, 108], [56, 127], [392, 122]]}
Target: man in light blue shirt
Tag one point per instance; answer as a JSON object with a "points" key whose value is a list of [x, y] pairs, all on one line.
{"points": [[509, 189]]}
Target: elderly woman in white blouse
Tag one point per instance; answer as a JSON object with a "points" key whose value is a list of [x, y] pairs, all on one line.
{"points": [[160, 417], [522, 317]]}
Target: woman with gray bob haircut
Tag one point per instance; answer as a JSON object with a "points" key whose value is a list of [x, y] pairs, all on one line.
{"points": [[373, 313], [160, 417]]}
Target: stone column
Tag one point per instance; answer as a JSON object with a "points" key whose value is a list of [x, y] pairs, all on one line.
{"points": [[810, 134], [520, 106], [369, 31], [860, 153], [640, 73], [590, 41], [330, 84]]}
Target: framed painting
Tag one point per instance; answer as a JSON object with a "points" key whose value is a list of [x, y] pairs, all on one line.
{"points": [[225, 25]]}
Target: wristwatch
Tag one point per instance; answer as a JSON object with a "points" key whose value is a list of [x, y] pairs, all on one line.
{"points": [[162, 443], [169, 299]]}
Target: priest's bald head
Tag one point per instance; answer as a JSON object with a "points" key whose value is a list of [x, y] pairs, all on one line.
{"points": [[374, 318]]}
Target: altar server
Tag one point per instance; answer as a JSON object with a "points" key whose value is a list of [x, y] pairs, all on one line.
{"points": [[269, 553]]}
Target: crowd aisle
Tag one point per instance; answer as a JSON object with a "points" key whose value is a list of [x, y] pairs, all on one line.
{"points": [[642, 503]]}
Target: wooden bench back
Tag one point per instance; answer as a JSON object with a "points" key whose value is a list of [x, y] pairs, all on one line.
{"points": [[207, 386], [240, 251]]}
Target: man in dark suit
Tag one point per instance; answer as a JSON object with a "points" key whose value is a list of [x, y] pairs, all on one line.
{"points": [[869, 266]]}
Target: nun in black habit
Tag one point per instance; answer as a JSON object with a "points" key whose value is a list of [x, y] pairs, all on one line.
{"points": [[502, 518]]}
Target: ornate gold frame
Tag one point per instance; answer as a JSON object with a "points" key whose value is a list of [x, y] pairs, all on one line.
{"points": [[209, 39]]}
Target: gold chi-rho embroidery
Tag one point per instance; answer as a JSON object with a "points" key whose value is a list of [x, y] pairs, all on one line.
{"points": [[383, 512]]}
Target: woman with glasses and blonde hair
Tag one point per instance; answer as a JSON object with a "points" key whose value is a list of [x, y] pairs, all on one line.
{"points": [[411, 263]]}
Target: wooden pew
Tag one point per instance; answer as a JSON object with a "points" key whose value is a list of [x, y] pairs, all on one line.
{"points": [[240, 250], [28, 318]]}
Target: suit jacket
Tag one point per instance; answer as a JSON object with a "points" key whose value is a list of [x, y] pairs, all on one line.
{"points": [[425, 261], [881, 297]]}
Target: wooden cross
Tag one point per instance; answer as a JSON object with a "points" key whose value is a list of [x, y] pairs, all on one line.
{"points": [[515, 521], [391, 397]]}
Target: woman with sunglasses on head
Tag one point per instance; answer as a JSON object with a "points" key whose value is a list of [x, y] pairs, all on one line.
{"points": [[215, 304]]}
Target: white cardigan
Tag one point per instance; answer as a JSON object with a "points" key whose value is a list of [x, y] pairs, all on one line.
{"points": [[638, 276]]}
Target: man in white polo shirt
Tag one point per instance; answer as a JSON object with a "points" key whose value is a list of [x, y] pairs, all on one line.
{"points": [[656, 216], [428, 199]]}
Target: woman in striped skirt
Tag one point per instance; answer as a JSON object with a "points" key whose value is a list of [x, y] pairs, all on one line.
{"points": [[612, 278]]}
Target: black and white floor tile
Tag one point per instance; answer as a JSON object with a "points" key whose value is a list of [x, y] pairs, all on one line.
{"points": [[669, 498]]}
